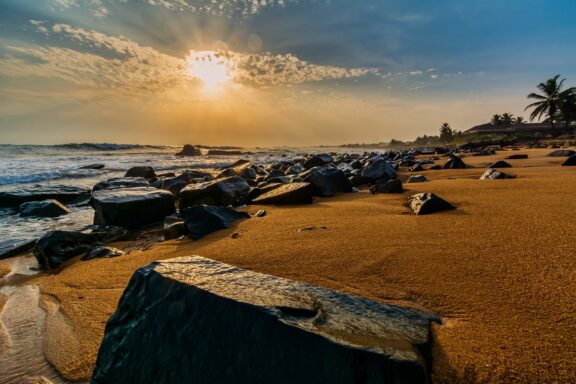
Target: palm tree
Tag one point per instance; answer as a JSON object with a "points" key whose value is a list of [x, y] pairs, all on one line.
{"points": [[507, 119], [549, 101], [496, 120], [446, 133], [519, 120], [567, 107]]}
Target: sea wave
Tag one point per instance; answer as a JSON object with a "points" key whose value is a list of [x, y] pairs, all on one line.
{"points": [[106, 146], [50, 175]]}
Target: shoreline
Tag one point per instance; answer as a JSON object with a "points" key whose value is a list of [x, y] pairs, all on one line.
{"points": [[497, 269]]}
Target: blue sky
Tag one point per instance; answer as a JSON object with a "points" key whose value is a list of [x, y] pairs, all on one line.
{"points": [[305, 72]]}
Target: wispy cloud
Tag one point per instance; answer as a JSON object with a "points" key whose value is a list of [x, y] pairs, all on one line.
{"points": [[117, 62]]}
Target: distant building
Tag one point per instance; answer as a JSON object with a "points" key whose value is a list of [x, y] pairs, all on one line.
{"points": [[524, 128]]}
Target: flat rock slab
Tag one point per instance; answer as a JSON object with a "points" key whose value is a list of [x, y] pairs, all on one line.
{"points": [[287, 194], [132, 208], [62, 193], [196, 320]]}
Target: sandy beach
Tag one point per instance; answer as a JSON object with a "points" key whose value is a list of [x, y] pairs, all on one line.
{"points": [[499, 270]]}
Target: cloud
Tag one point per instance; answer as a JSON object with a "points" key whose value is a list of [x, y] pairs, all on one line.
{"points": [[214, 7], [118, 63], [415, 73]]}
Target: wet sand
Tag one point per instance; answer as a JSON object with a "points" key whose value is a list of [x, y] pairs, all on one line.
{"points": [[500, 270]]}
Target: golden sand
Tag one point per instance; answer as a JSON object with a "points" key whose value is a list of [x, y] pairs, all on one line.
{"points": [[500, 270], [4, 270]]}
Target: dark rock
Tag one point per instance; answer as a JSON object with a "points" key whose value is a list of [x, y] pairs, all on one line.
{"points": [[93, 166], [416, 168], [500, 164], [274, 173], [174, 185], [228, 172], [562, 153], [229, 191], [454, 163], [248, 173], [221, 152], [417, 179], [195, 320], [64, 194], [15, 247], [56, 247], [379, 169], [46, 208], [425, 203], [174, 228], [312, 228], [327, 182], [287, 194], [260, 213], [517, 157], [102, 253], [389, 186], [131, 207], [295, 169], [189, 150], [281, 180], [570, 162], [202, 220], [493, 174], [435, 167], [121, 182], [318, 161], [141, 171]]}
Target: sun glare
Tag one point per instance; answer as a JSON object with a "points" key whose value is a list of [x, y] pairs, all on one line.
{"points": [[211, 69]]}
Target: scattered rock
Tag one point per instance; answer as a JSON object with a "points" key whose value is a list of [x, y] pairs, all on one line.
{"points": [[121, 182], [46, 208], [493, 174], [102, 253], [517, 157], [389, 186], [132, 207], [56, 247], [417, 179], [260, 213], [223, 324], [202, 220], [235, 235], [287, 194], [319, 160], [93, 166], [416, 168], [141, 171], [379, 169], [189, 150], [15, 247], [306, 229], [500, 164], [64, 194], [435, 167], [425, 203], [327, 182], [571, 161], [562, 153], [229, 191], [454, 163]]}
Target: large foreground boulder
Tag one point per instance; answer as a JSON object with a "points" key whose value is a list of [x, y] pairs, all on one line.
{"points": [[62, 193], [45, 208], [229, 191], [196, 320], [202, 220], [426, 203], [327, 182], [56, 247], [132, 207], [287, 194]]}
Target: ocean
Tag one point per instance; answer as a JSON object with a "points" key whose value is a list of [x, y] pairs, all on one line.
{"points": [[59, 165]]}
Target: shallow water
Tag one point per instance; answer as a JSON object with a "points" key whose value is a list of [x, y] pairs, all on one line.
{"points": [[22, 330]]}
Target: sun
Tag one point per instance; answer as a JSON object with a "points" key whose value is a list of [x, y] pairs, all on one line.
{"points": [[211, 68]]}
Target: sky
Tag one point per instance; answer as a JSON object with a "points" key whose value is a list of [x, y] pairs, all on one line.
{"points": [[271, 72]]}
